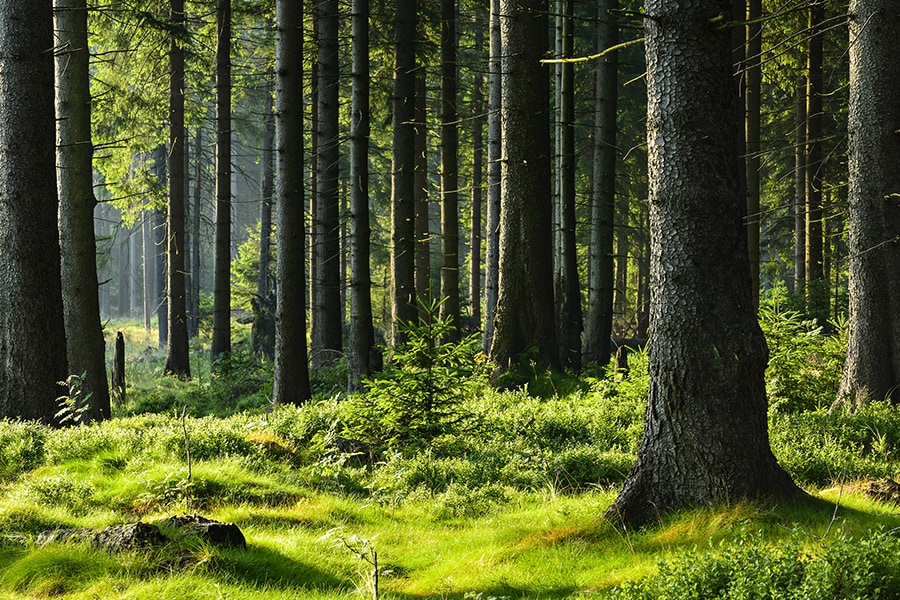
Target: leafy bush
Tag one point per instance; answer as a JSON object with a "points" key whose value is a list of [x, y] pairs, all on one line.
{"points": [[750, 568]]}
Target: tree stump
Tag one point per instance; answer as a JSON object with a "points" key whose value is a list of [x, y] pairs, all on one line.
{"points": [[118, 370]]}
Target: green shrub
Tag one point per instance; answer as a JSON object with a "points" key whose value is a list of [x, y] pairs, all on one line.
{"points": [[22, 446]]}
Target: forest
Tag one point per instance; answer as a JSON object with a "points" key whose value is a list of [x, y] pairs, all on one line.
{"points": [[449, 299]]}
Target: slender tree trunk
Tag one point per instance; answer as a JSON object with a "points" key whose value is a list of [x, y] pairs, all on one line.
{"points": [[817, 287], [477, 179], [291, 379], [423, 216], [195, 236], [178, 361], [706, 437], [148, 262], [800, 191], [753, 92], [402, 181], [124, 268], [32, 331], [492, 225], [449, 170], [525, 311], [326, 324], [362, 358], [75, 183], [872, 367], [221, 339], [598, 328], [160, 243], [569, 316], [263, 286]]}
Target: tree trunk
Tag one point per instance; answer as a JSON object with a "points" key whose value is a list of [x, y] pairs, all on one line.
{"points": [[449, 170], [195, 235], [816, 285], [753, 92], [423, 217], [477, 179], [492, 224], [706, 437], [32, 332], [569, 314], [800, 190], [326, 333], [221, 338], [525, 311], [291, 379], [872, 367], [74, 153], [403, 307], [118, 370], [160, 300], [362, 357], [598, 327], [178, 360]]}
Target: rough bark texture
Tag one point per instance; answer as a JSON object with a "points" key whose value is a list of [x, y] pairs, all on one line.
{"points": [[403, 307], [706, 437], [599, 316], [326, 326], [221, 339], [178, 359], [525, 311], [492, 219], [291, 380], [74, 154], [872, 367], [449, 170], [362, 359], [753, 50], [32, 334]]}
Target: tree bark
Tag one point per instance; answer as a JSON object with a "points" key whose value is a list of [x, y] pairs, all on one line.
{"points": [[326, 330], [598, 326], [492, 221], [525, 310], [75, 183], [753, 93], [221, 338], [872, 367], [291, 379], [362, 358], [706, 437], [32, 331], [403, 307], [449, 170]]}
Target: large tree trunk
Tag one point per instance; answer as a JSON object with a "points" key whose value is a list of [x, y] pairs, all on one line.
{"points": [[525, 311], [706, 437], [221, 338], [291, 379], [449, 170], [326, 331], [75, 182], [492, 221], [32, 333], [872, 367], [403, 307], [178, 360], [598, 326], [362, 358]]}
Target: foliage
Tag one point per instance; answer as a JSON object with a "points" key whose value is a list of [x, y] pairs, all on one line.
{"points": [[73, 405], [420, 395]]}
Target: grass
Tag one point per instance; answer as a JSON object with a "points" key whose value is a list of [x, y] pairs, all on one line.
{"points": [[508, 506]]}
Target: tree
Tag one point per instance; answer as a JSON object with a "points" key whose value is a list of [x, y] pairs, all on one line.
{"points": [[872, 367], [449, 170], [524, 318], [361, 357], [326, 323], [816, 284], [598, 322], [403, 307], [32, 332], [178, 359], [706, 437], [492, 220], [478, 121], [291, 379], [74, 151], [221, 342]]}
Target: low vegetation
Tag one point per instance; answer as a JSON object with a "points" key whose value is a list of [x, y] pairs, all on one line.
{"points": [[442, 485]]}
